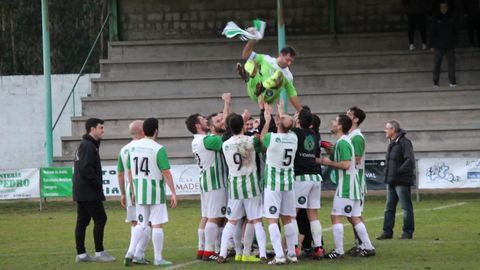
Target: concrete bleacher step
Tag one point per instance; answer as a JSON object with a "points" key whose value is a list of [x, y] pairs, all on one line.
{"points": [[424, 140], [205, 66], [223, 47], [307, 82], [376, 118], [167, 107]]}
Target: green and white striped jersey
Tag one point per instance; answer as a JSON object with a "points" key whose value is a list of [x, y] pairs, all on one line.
{"points": [[121, 167], [207, 153], [348, 185], [281, 149], [147, 159], [239, 152], [358, 142]]}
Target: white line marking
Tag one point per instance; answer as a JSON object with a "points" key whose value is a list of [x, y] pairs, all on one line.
{"points": [[181, 265], [398, 214]]}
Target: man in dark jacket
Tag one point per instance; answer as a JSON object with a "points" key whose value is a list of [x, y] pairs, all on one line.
{"points": [[88, 193], [399, 177], [443, 41]]}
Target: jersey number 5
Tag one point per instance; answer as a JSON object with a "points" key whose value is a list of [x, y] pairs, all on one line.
{"points": [[143, 166], [287, 157]]}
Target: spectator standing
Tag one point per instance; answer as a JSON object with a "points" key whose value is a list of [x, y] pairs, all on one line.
{"points": [[443, 42], [416, 11], [399, 177]]}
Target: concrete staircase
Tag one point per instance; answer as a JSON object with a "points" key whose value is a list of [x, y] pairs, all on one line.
{"points": [[172, 79]]}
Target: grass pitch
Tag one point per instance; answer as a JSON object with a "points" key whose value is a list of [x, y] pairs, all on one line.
{"points": [[447, 236]]}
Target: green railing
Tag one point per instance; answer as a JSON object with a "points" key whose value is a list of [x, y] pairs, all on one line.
{"points": [[80, 74]]}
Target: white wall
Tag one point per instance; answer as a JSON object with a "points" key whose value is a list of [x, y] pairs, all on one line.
{"points": [[22, 116]]}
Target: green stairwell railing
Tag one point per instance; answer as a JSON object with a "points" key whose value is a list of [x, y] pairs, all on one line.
{"points": [[80, 74]]}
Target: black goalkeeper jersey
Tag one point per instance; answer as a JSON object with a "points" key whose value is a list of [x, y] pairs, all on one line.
{"points": [[307, 150]]}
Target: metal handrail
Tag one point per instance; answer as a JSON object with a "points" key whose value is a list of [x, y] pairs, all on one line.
{"points": [[81, 70]]}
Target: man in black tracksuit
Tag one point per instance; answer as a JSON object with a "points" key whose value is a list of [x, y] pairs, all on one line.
{"points": [[443, 41], [88, 193], [399, 177]]}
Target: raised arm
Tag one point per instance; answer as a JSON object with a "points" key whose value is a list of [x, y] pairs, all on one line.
{"points": [[227, 99], [267, 114], [248, 49]]}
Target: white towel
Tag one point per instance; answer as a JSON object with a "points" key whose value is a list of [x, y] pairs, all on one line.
{"points": [[255, 33]]}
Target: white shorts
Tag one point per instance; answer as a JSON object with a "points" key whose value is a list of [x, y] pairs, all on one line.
{"points": [[307, 194], [278, 203], [214, 203], [252, 207], [131, 213], [155, 214], [346, 207]]}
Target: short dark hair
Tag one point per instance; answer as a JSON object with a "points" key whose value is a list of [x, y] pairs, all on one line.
{"points": [[306, 108], [92, 123], [358, 113], [210, 117], [305, 118], [345, 122], [191, 121], [316, 123], [235, 122], [288, 50], [149, 126]]}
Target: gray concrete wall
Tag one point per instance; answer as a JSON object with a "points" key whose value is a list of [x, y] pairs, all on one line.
{"points": [[180, 19], [164, 19], [22, 110]]}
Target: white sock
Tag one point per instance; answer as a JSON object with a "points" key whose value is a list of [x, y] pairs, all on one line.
{"points": [[290, 238], [275, 238], [248, 239], [82, 256], [201, 239], [218, 240], [261, 239], [297, 232], [337, 230], [237, 237], [130, 246], [143, 243], [363, 235], [227, 234], [157, 239], [210, 236], [316, 229], [137, 234]]}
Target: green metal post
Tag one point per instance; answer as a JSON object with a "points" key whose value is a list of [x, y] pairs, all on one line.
{"points": [[332, 16], [281, 43], [113, 27], [48, 85]]}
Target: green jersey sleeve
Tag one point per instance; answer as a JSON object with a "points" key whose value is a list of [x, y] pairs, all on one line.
{"points": [[259, 58], [128, 162], [213, 143], [358, 145], [120, 167], [162, 159], [290, 89], [266, 140], [344, 151]]}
